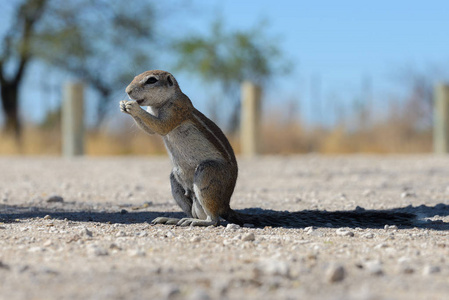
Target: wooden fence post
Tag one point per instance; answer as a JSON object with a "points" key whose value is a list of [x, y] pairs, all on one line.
{"points": [[73, 119], [441, 119], [250, 119]]}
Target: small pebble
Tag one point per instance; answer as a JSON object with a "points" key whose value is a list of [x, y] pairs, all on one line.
{"points": [[170, 292], [47, 270], [359, 209], [136, 253], [36, 249], [86, 232], [121, 233], [315, 233], [344, 232], [47, 243], [310, 228], [391, 227], [249, 237], [231, 226], [169, 234], [381, 245], [408, 194], [23, 268], [274, 267], [367, 193], [342, 196], [368, 235], [404, 260], [199, 294], [407, 269], [97, 251], [374, 268], [228, 242], [55, 199], [3, 266], [123, 211], [336, 273], [114, 246], [195, 239], [428, 270], [47, 217]]}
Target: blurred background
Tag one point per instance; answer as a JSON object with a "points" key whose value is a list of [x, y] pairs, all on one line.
{"points": [[336, 76]]}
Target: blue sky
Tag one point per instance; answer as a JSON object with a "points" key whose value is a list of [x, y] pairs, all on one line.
{"points": [[343, 46], [340, 38], [338, 46]]}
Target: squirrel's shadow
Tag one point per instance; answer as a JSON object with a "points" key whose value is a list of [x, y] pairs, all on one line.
{"points": [[404, 217]]}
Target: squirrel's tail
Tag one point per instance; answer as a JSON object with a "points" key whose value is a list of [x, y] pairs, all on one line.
{"points": [[357, 218], [256, 220]]}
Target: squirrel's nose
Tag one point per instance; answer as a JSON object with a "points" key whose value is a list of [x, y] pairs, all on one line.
{"points": [[129, 90]]}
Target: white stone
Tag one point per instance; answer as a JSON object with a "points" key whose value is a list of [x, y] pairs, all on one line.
{"points": [[195, 239], [344, 232], [95, 250], [231, 226], [374, 268], [368, 235], [121, 233], [136, 253], [274, 267], [335, 273], [249, 237], [169, 234], [86, 232], [368, 193], [429, 269], [408, 194]]}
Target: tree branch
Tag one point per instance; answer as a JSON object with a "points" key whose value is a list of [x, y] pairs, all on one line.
{"points": [[2, 78], [31, 12]]}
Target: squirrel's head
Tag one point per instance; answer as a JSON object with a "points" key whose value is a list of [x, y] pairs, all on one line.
{"points": [[153, 88]]}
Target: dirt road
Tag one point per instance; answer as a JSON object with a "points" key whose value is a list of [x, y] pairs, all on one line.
{"points": [[363, 227]]}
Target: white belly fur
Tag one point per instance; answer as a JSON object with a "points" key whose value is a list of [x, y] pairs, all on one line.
{"points": [[187, 148]]}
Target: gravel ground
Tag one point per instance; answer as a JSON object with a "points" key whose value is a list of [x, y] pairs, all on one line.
{"points": [[362, 227]]}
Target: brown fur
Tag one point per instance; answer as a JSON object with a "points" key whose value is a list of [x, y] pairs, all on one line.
{"points": [[204, 165]]}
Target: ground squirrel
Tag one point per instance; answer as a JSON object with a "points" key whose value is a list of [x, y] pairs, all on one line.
{"points": [[204, 165]]}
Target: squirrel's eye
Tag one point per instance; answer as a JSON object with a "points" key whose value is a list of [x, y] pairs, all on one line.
{"points": [[151, 80]]}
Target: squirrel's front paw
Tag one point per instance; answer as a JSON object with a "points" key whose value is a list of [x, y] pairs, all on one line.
{"points": [[129, 107]]}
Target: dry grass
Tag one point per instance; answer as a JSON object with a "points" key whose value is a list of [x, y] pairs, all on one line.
{"points": [[34, 141], [48, 142], [381, 138], [276, 139]]}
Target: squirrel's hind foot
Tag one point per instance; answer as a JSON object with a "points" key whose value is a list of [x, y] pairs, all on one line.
{"points": [[165, 220], [197, 222]]}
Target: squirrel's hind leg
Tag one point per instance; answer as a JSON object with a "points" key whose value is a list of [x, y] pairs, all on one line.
{"points": [[179, 194], [185, 202], [212, 187]]}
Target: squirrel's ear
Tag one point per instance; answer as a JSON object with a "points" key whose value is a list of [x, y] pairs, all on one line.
{"points": [[169, 80]]}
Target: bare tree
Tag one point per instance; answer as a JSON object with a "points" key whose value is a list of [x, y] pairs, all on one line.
{"points": [[98, 41], [229, 57], [16, 53], [102, 42]]}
